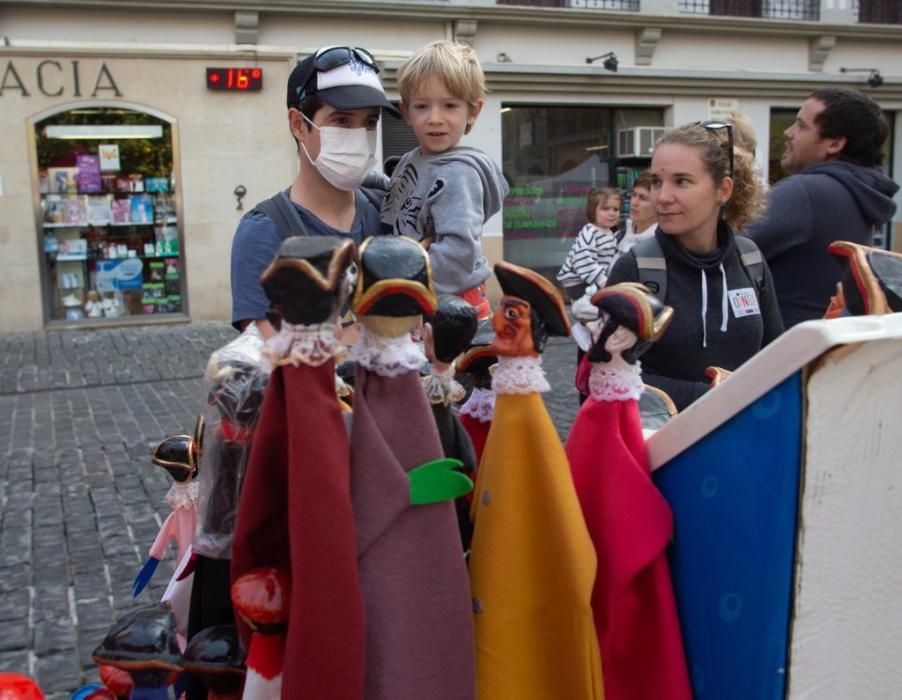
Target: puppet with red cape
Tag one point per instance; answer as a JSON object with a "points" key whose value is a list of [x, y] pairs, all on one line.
{"points": [[629, 520], [295, 512], [412, 574]]}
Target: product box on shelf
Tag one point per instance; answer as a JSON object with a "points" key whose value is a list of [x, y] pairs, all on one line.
{"points": [[75, 212], [54, 209], [156, 184], [88, 173], [125, 274], [121, 211], [141, 209], [62, 180], [72, 248], [99, 213]]}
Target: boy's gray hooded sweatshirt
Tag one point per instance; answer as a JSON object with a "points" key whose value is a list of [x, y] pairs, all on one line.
{"points": [[446, 197]]}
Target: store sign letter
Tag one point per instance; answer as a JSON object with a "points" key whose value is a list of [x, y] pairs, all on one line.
{"points": [[12, 81], [52, 79]]}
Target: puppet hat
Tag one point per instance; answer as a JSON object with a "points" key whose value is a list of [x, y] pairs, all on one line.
{"points": [[143, 639], [479, 357], [304, 282], [177, 455], [634, 306], [453, 326], [530, 286], [395, 279], [872, 278]]}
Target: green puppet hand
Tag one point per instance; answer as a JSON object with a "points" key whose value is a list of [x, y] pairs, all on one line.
{"points": [[437, 481]]}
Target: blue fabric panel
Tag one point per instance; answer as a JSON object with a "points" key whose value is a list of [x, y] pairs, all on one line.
{"points": [[734, 496]]}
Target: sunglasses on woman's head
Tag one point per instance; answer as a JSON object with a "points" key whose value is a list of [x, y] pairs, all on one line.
{"points": [[715, 126]]}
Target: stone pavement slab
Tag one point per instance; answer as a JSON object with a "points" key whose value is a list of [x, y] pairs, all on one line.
{"points": [[80, 412]]}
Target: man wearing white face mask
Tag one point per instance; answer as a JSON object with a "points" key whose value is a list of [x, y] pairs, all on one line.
{"points": [[334, 103]]}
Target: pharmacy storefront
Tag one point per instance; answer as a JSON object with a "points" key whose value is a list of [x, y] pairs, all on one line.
{"points": [[126, 181]]}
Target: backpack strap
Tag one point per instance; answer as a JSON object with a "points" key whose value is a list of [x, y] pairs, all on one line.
{"points": [[284, 215], [652, 266], [752, 260]]}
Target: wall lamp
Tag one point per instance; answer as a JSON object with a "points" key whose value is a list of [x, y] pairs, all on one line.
{"points": [[610, 61], [875, 80]]}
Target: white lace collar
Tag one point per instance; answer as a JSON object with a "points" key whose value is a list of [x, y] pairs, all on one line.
{"points": [[387, 357], [299, 344], [480, 406], [441, 387], [182, 494], [610, 382], [519, 375]]}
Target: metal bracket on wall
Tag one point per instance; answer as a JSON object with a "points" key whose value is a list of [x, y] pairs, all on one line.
{"points": [[246, 27]]}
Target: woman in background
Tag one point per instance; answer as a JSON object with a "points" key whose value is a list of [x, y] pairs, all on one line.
{"points": [[642, 221]]}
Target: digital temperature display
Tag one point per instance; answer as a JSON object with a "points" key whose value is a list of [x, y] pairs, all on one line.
{"points": [[235, 79]]}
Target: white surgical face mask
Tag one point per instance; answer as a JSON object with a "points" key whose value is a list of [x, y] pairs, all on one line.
{"points": [[346, 156]]}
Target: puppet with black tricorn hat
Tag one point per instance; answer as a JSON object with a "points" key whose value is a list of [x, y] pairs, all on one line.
{"points": [[532, 563], [629, 520], [178, 455], [476, 365], [412, 572], [295, 509], [446, 334]]}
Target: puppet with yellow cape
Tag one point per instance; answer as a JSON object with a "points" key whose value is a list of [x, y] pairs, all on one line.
{"points": [[532, 564]]}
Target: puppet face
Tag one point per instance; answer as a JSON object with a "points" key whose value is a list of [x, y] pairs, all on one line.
{"points": [[513, 329]]}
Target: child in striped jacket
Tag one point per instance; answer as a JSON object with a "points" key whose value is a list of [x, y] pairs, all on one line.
{"points": [[595, 247]]}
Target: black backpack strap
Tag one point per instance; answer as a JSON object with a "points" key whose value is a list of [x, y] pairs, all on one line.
{"points": [[284, 215], [752, 260], [652, 266]]}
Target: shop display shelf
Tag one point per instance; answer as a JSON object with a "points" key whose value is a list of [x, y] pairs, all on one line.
{"points": [[70, 258]]}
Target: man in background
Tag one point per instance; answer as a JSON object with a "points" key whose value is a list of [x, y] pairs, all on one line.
{"points": [[836, 191]]}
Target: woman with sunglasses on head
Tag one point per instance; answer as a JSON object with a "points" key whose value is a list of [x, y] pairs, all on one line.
{"points": [[725, 307]]}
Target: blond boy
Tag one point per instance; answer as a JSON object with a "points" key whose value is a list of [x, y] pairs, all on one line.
{"points": [[441, 193]]}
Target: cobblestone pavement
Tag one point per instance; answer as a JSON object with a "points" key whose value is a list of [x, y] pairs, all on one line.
{"points": [[80, 412]]}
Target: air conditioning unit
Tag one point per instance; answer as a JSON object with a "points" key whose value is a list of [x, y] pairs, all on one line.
{"points": [[638, 142]]}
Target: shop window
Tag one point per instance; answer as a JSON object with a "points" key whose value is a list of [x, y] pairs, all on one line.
{"points": [[108, 222], [552, 157]]}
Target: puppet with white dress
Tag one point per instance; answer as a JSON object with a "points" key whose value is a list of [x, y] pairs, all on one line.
{"points": [[629, 520], [532, 563], [419, 639]]}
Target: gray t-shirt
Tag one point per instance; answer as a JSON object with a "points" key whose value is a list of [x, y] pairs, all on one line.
{"points": [[257, 242]]}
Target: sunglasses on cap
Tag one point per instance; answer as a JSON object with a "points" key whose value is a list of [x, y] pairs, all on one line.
{"points": [[335, 56], [330, 58], [716, 126]]}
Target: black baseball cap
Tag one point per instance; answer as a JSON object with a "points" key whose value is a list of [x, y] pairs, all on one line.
{"points": [[344, 77]]}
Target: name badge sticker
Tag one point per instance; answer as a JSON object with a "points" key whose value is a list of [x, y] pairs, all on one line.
{"points": [[744, 302]]}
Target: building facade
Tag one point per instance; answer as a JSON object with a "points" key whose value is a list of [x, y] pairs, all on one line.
{"points": [[135, 134]]}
